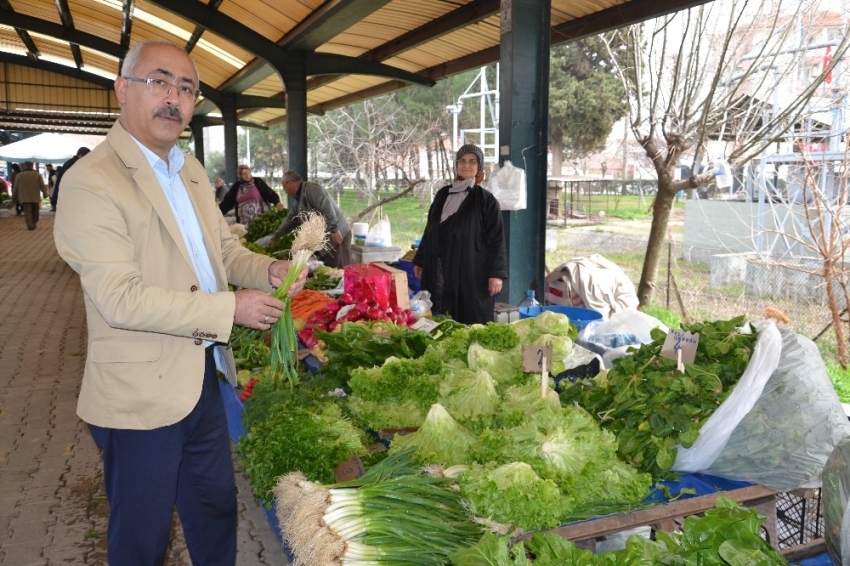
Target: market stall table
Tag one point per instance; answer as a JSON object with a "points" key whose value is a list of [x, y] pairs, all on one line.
{"points": [[665, 515]]}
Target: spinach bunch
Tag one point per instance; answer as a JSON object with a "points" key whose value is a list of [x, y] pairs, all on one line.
{"points": [[651, 406]]}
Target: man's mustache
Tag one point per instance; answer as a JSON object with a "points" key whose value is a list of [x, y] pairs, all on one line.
{"points": [[170, 111]]}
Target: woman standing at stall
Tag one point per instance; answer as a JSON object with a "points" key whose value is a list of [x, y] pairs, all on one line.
{"points": [[250, 195], [461, 258]]}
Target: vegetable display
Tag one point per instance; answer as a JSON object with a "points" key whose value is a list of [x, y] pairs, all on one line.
{"points": [[728, 535], [392, 515], [265, 224], [651, 406]]}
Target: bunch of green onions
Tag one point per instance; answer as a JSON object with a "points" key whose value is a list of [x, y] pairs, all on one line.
{"points": [[310, 237], [394, 514]]}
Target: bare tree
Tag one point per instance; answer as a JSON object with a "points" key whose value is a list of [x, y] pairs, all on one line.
{"points": [[369, 145], [721, 81]]}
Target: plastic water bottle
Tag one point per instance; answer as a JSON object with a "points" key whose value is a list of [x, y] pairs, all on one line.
{"points": [[529, 300]]}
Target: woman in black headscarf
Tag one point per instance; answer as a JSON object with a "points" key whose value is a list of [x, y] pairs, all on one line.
{"points": [[461, 258], [250, 195]]}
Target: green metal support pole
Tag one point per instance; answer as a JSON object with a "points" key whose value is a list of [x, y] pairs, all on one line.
{"points": [[231, 147], [198, 137], [295, 79], [523, 121]]}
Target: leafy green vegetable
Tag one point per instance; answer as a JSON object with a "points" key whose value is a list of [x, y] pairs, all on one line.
{"points": [[652, 407], [726, 536], [504, 367], [491, 550], [513, 494], [547, 322], [295, 438], [265, 224], [498, 337], [469, 394], [440, 440], [368, 345]]}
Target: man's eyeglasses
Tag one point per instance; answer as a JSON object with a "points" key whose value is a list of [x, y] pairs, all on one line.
{"points": [[162, 88]]}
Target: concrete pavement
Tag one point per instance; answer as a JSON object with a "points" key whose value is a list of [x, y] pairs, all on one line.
{"points": [[52, 505]]}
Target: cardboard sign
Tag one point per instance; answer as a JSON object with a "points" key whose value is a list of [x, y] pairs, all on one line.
{"points": [[680, 346], [532, 357], [350, 469], [425, 324]]}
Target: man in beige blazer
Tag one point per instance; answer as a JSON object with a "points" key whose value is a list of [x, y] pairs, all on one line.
{"points": [[141, 227]]}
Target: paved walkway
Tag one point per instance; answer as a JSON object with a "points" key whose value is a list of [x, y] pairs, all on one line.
{"points": [[53, 510]]}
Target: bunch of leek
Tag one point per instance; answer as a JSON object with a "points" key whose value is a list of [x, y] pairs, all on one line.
{"points": [[311, 236], [393, 514]]}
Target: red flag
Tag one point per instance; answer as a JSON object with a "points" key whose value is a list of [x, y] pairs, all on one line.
{"points": [[827, 58]]}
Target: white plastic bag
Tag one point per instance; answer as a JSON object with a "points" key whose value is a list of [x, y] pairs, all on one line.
{"points": [[508, 186], [715, 431], [380, 234], [785, 440]]}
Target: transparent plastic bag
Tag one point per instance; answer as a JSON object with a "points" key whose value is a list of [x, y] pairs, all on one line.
{"points": [[835, 496], [625, 328], [380, 235], [784, 441], [421, 304]]}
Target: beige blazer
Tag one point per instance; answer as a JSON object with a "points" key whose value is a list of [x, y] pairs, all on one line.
{"points": [[147, 320]]}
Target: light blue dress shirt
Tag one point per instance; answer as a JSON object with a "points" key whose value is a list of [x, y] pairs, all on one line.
{"points": [[187, 219]]}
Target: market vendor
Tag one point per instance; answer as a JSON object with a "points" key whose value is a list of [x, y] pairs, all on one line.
{"points": [[311, 196], [461, 259]]}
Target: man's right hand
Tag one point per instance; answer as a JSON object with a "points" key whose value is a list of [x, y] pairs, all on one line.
{"points": [[256, 309]]}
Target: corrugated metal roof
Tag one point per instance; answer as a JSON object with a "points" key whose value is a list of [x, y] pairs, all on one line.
{"points": [[58, 57]]}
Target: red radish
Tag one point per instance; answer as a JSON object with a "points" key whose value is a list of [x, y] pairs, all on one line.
{"points": [[345, 299]]}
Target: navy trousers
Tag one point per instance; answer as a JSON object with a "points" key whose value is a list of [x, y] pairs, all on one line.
{"points": [[188, 465]]}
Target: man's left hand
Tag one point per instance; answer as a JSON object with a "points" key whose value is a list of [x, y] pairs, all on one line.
{"points": [[336, 237], [277, 273], [279, 205]]}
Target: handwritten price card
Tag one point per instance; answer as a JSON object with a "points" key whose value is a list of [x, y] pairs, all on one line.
{"points": [[680, 346]]}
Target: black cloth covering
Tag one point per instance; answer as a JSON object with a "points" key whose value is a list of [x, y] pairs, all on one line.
{"points": [[470, 245]]}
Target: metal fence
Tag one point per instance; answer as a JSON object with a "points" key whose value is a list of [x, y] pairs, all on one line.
{"points": [[688, 285]]}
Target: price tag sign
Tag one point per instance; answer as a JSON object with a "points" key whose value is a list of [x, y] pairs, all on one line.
{"points": [[680, 346], [532, 357], [350, 469], [425, 324]]}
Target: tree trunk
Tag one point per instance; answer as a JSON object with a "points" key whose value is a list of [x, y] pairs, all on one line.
{"points": [[557, 156], [829, 276], [655, 247]]}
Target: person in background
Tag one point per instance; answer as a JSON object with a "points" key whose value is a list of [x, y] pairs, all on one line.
{"points": [[219, 189], [312, 197], [140, 226], [16, 168], [27, 190], [461, 258], [54, 196], [250, 195], [51, 178]]}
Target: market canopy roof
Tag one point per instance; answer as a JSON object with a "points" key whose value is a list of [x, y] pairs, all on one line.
{"points": [[58, 58], [48, 148]]}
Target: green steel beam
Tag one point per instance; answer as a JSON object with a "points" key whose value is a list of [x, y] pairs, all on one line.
{"points": [[523, 119]]}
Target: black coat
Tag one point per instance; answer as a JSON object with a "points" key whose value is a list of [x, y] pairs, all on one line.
{"points": [[470, 244], [229, 200]]}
